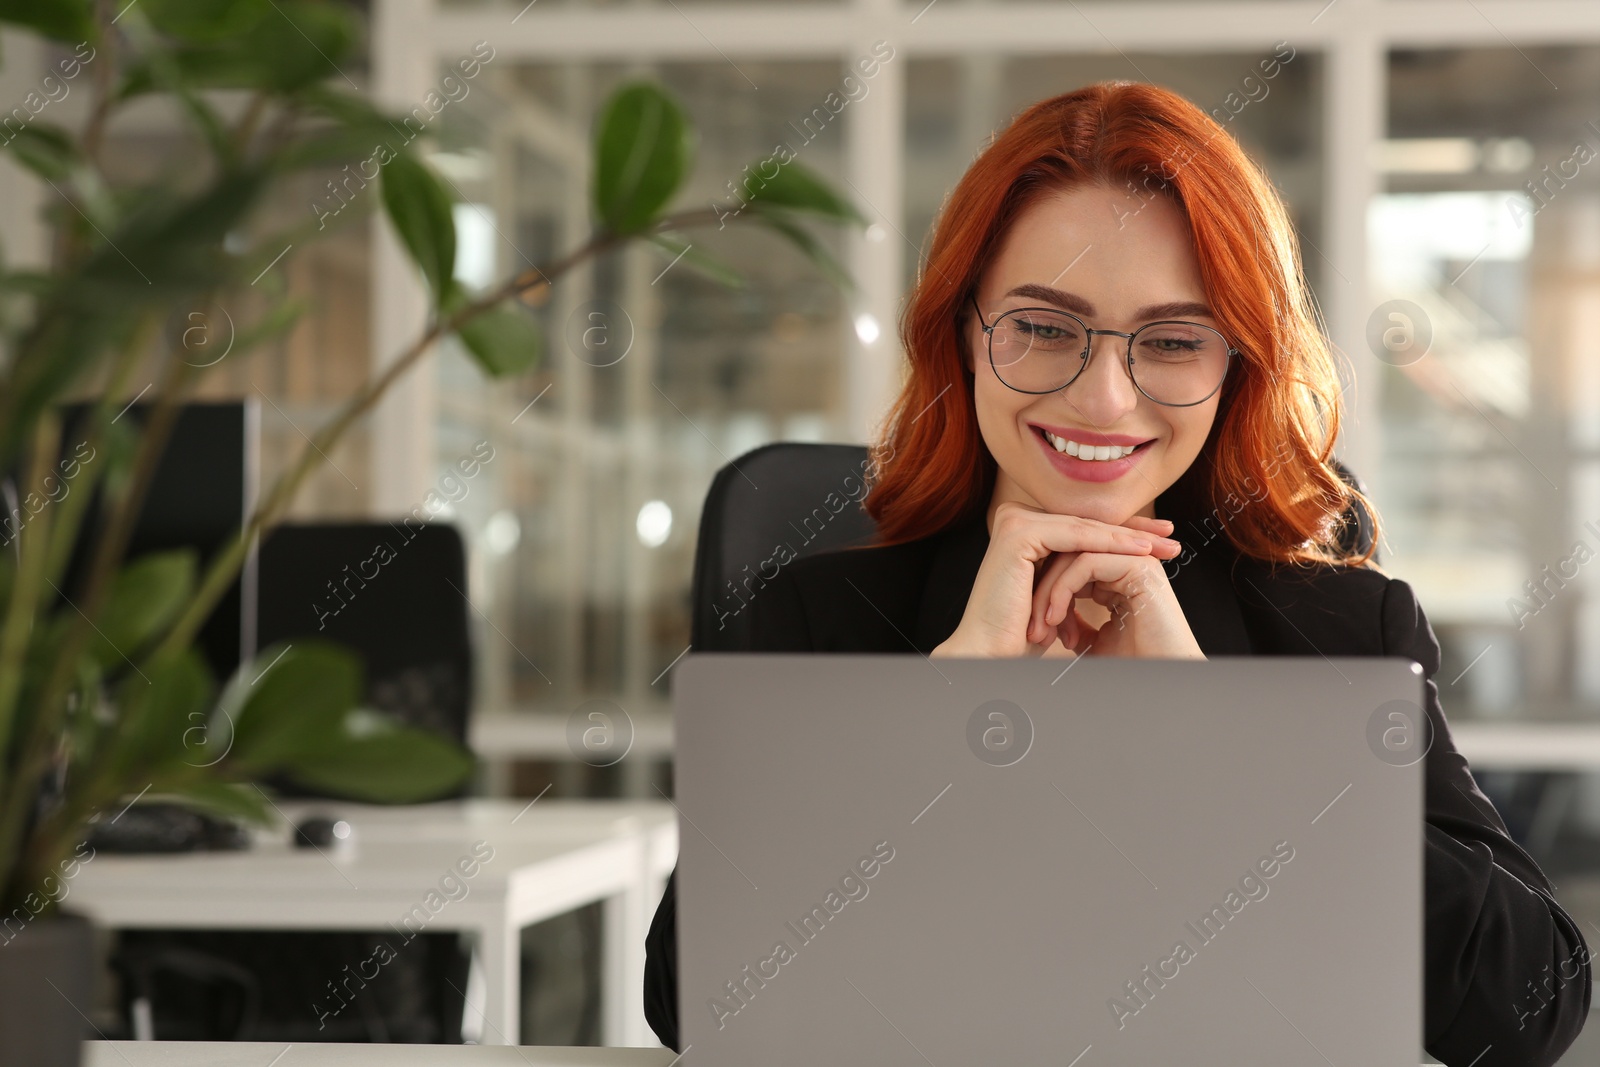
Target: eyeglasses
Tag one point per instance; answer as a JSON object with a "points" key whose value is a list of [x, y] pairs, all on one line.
{"points": [[1042, 350]]}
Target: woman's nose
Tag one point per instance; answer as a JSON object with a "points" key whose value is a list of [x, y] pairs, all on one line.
{"points": [[1103, 392]]}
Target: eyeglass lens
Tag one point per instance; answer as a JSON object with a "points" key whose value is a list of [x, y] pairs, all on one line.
{"points": [[1039, 351]]}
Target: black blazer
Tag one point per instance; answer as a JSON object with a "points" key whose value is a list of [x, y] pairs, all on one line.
{"points": [[1506, 970]]}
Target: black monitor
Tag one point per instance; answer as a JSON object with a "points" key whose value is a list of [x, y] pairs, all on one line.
{"points": [[203, 490]]}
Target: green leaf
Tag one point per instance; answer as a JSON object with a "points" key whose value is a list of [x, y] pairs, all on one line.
{"points": [[166, 75], [643, 148], [380, 761], [349, 108], [289, 704], [807, 243], [146, 595], [308, 42], [285, 46], [168, 246], [329, 148], [29, 282], [694, 258], [225, 799], [85, 728], [56, 351], [420, 210], [120, 442], [46, 150], [65, 20], [503, 341], [155, 709], [205, 21], [359, 132], [800, 189]]}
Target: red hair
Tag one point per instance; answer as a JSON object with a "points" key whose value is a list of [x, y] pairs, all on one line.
{"points": [[1270, 446]]}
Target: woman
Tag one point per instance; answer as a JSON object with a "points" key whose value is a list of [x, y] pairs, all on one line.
{"points": [[1115, 440]]}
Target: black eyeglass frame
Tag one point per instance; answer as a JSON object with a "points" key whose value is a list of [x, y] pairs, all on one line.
{"points": [[1088, 351]]}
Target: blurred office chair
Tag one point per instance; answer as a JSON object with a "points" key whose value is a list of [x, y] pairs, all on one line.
{"points": [[800, 485], [395, 594]]}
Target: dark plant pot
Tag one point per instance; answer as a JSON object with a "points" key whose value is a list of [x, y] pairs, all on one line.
{"points": [[46, 990]]}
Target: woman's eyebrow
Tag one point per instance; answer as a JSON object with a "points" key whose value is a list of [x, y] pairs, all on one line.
{"points": [[1173, 309]]}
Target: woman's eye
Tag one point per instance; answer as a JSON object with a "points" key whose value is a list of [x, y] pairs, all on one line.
{"points": [[1173, 344], [1045, 331]]}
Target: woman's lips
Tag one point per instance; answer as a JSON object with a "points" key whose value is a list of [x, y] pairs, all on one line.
{"points": [[1090, 470], [1090, 437]]}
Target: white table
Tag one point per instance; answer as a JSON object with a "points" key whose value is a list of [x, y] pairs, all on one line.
{"points": [[250, 1054], [1515, 745], [501, 737], [265, 1054], [548, 858], [1529, 746]]}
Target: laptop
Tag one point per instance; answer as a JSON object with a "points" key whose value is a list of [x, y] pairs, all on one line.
{"points": [[898, 861]]}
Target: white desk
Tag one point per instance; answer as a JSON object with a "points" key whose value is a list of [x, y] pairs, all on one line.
{"points": [[501, 737], [1529, 746], [264, 1054], [1542, 746], [543, 735], [548, 858]]}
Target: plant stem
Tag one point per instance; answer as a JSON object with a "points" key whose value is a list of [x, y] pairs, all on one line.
{"points": [[65, 533], [104, 75], [246, 129], [34, 756], [25, 592]]}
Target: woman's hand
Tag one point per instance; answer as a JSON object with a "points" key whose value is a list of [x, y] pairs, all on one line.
{"points": [[1015, 610], [1146, 619]]}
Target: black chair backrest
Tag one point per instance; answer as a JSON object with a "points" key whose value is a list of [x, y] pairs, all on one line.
{"points": [[1357, 530], [805, 498], [778, 502], [393, 592]]}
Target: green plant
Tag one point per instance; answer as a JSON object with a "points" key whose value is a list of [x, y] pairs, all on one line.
{"points": [[102, 697]]}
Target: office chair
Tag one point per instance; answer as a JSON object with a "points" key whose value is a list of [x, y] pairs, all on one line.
{"points": [[787, 493], [775, 494], [395, 594]]}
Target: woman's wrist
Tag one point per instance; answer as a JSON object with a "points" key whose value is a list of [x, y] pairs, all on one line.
{"points": [[959, 645]]}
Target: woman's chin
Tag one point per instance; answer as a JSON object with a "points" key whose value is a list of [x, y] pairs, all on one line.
{"points": [[1108, 510]]}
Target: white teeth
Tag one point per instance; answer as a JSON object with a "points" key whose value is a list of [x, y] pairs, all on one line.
{"points": [[1094, 452]]}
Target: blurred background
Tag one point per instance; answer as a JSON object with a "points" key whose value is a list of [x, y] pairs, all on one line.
{"points": [[1441, 161]]}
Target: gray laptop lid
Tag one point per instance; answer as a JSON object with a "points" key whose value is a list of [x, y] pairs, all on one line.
{"points": [[891, 860]]}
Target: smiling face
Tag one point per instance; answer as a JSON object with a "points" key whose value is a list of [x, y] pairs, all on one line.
{"points": [[1116, 262]]}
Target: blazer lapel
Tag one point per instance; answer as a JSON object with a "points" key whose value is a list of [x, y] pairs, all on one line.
{"points": [[957, 552], [1201, 580], [1201, 577]]}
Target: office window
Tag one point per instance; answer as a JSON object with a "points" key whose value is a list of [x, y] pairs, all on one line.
{"points": [[1483, 253], [953, 105], [654, 375]]}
